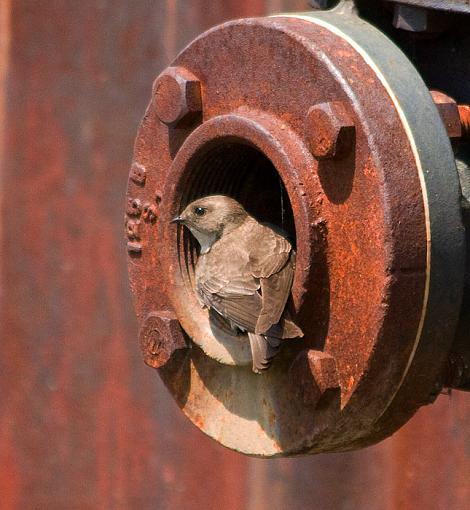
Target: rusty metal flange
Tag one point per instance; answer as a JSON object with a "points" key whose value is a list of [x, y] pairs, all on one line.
{"points": [[319, 124]]}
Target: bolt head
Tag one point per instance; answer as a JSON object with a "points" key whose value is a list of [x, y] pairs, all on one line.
{"points": [[324, 371], [413, 18], [449, 111], [177, 96], [160, 336], [315, 376], [329, 130], [410, 18]]}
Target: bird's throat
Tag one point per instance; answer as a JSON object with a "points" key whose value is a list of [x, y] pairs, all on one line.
{"points": [[206, 240]]}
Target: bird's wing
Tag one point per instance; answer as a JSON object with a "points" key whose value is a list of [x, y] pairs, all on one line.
{"points": [[269, 255], [273, 262], [234, 295], [275, 291], [243, 311], [252, 292]]}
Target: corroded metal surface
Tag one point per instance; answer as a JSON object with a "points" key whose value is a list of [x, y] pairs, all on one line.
{"points": [[83, 422], [373, 291], [464, 112]]}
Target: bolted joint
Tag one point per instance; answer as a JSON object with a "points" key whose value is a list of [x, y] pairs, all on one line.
{"points": [[177, 96], [160, 336], [315, 375], [449, 111], [329, 130]]}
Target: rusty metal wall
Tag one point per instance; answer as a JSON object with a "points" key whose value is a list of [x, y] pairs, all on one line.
{"points": [[83, 422]]}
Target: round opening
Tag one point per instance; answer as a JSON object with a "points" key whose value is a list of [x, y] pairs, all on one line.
{"points": [[256, 160], [233, 167]]}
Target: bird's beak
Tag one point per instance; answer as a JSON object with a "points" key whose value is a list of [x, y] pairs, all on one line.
{"points": [[177, 219]]}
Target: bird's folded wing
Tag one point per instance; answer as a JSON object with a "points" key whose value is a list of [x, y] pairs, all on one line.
{"points": [[275, 291], [243, 311], [269, 256], [273, 262], [235, 298], [233, 289]]}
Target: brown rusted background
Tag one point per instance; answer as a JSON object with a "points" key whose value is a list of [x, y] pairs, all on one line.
{"points": [[83, 422]]}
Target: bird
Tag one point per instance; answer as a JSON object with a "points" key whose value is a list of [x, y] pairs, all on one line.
{"points": [[243, 274]]}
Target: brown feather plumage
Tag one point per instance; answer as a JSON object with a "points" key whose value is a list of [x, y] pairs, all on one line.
{"points": [[244, 273]]}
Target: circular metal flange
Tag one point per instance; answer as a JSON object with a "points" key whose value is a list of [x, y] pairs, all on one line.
{"points": [[374, 208]]}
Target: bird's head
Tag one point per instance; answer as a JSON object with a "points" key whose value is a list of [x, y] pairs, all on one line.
{"points": [[211, 217]]}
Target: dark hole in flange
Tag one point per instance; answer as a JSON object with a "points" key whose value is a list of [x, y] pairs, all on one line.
{"points": [[232, 167]]}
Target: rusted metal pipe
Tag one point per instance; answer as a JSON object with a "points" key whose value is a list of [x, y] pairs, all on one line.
{"points": [[352, 161], [464, 113], [456, 117]]}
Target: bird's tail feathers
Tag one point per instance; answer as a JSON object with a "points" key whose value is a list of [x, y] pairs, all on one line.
{"points": [[263, 350], [290, 329], [285, 328]]}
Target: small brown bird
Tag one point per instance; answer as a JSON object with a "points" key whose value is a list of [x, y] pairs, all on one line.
{"points": [[244, 273]]}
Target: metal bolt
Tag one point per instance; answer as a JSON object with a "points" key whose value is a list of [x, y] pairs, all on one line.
{"points": [[419, 19], [177, 96], [316, 377], [329, 130], [160, 336], [449, 112]]}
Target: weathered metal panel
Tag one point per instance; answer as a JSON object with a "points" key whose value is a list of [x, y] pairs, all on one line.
{"points": [[83, 422]]}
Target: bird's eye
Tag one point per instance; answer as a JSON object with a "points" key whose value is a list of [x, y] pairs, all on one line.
{"points": [[199, 211]]}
